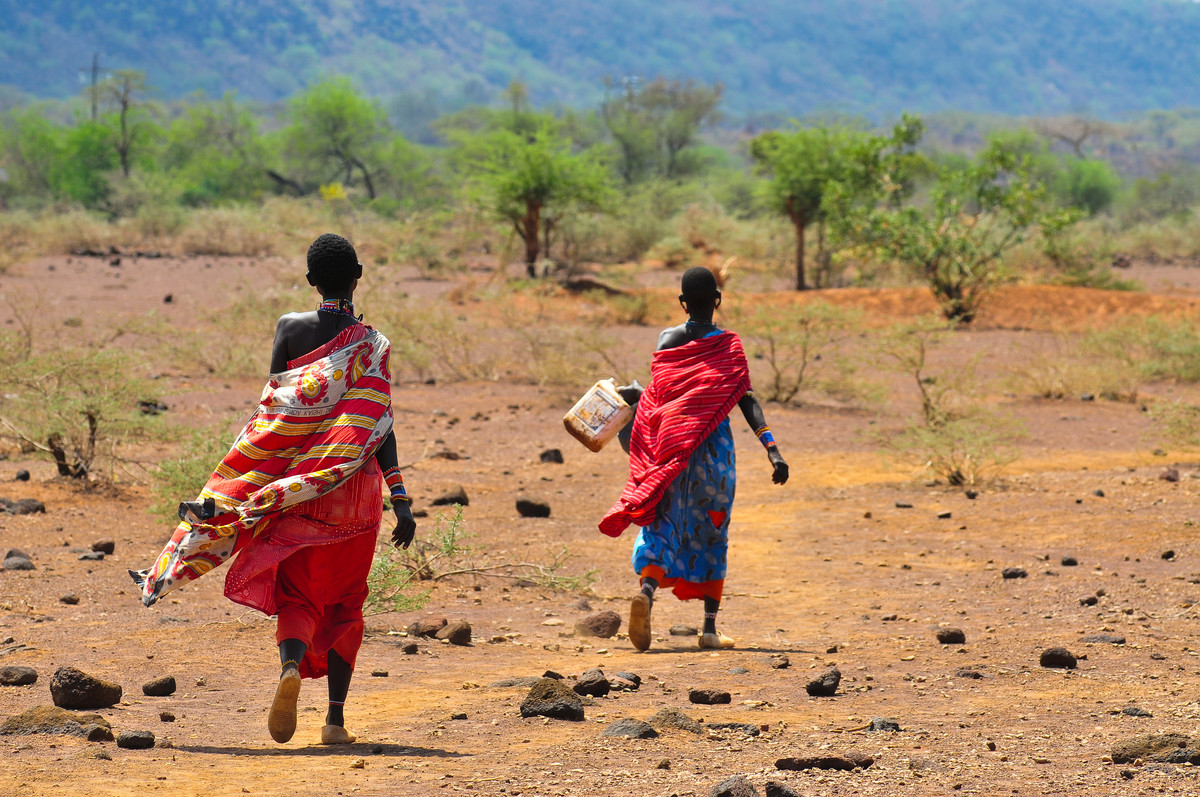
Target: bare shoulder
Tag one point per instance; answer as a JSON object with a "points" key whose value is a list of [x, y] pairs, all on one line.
{"points": [[673, 336]]}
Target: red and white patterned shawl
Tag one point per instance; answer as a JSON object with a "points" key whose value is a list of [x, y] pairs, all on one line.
{"points": [[316, 425], [693, 388]]}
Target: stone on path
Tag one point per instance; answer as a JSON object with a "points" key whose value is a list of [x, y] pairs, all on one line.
{"points": [[551, 455], [675, 719], [777, 789], [592, 683], [1134, 711], [456, 496], [1058, 658], [1168, 748], [1013, 572], [1168, 555], [739, 727], [737, 786], [1103, 639], [166, 716], [159, 687], [70, 599], [27, 506], [104, 546], [73, 688], [17, 561], [884, 724], [1070, 561], [135, 740], [92, 556], [22, 475], [1088, 600], [629, 728], [709, 697], [951, 636], [523, 682], [17, 676], [456, 633], [825, 684], [632, 677], [1169, 475], [532, 507], [684, 630], [602, 624], [410, 648], [967, 672], [551, 698], [51, 720], [427, 626], [850, 760]]}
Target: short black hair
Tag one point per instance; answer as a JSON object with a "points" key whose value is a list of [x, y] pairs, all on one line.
{"points": [[699, 286], [332, 263]]}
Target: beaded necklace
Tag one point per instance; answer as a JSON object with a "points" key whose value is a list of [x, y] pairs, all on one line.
{"points": [[340, 306]]}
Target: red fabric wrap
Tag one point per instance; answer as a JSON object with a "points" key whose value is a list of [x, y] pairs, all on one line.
{"points": [[693, 388]]}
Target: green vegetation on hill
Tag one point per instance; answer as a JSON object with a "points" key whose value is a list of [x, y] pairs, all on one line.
{"points": [[426, 57]]}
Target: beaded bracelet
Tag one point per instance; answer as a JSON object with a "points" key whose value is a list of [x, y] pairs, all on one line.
{"points": [[395, 483], [763, 433]]}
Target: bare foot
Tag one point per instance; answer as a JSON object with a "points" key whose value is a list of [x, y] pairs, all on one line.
{"points": [[336, 734], [281, 722], [717, 640], [639, 622]]}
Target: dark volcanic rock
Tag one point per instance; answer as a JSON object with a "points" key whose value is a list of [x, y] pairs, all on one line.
{"points": [[159, 687], [739, 727], [1088, 600], [778, 661], [92, 556], [17, 563], [49, 720], [825, 684], [456, 496], [601, 624], [456, 633], [709, 697], [966, 672], [94, 732], [1170, 475], [551, 698], [27, 506], [675, 719], [552, 674], [410, 648], [1168, 748], [105, 547], [72, 688], [884, 724], [776, 789], [1070, 561], [619, 684], [632, 677], [592, 683], [135, 740], [17, 676], [22, 475], [552, 455], [166, 716], [631, 729], [1013, 572], [684, 630], [851, 759], [1134, 711], [70, 599], [1059, 658], [951, 636], [524, 682], [530, 507], [427, 626], [737, 786], [1103, 639], [1168, 555]]}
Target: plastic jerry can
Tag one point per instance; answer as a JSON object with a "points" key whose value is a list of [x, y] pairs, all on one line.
{"points": [[598, 416]]}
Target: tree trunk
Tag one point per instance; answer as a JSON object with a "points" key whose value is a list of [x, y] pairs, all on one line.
{"points": [[799, 225], [367, 181], [530, 226]]}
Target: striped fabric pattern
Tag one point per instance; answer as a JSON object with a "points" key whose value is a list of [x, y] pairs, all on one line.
{"points": [[316, 425], [692, 388]]}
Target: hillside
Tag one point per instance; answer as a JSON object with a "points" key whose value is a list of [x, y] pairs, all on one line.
{"points": [[786, 56]]}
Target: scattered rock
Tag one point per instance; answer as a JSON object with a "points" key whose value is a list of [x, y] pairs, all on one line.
{"points": [[166, 716], [552, 674], [632, 677], [1169, 475], [529, 507], [1014, 572], [709, 697], [1098, 493], [551, 698], [94, 732], [73, 688], [776, 789], [737, 786], [602, 624], [159, 687], [1103, 639], [825, 684], [456, 496], [49, 720], [1167, 748], [664, 764], [831, 649], [903, 505], [738, 671], [135, 740], [971, 494], [1088, 600], [71, 599], [675, 719], [592, 683], [522, 681], [17, 676], [1059, 658], [1134, 711], [92, 556], [967, 672], [944, 515], [884, 724], [456, 633], [105, 547], [27, 506], [379, 673], [21, 562], [778, 661], [152, 407], [619, 684], [951, 636], [552, 455], [22, 476], [458, 715], [850, 760], [427, 626], [684, 630], [740, 727], [581, 605], [629, 728], [1168, 555], [410, 648], [1070, 561]]}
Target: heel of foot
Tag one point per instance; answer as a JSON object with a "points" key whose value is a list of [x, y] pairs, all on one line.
{"points": [[639, 622], [716, 641], [336, 734], [281, 722]]}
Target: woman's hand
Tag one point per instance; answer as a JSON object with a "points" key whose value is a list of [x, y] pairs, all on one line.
{"points": [[406, 525], [780, 476]]}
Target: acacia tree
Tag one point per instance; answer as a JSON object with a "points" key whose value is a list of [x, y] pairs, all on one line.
{"points": [[126, 89], [812, 170], [529, 179], [653, 124]]}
